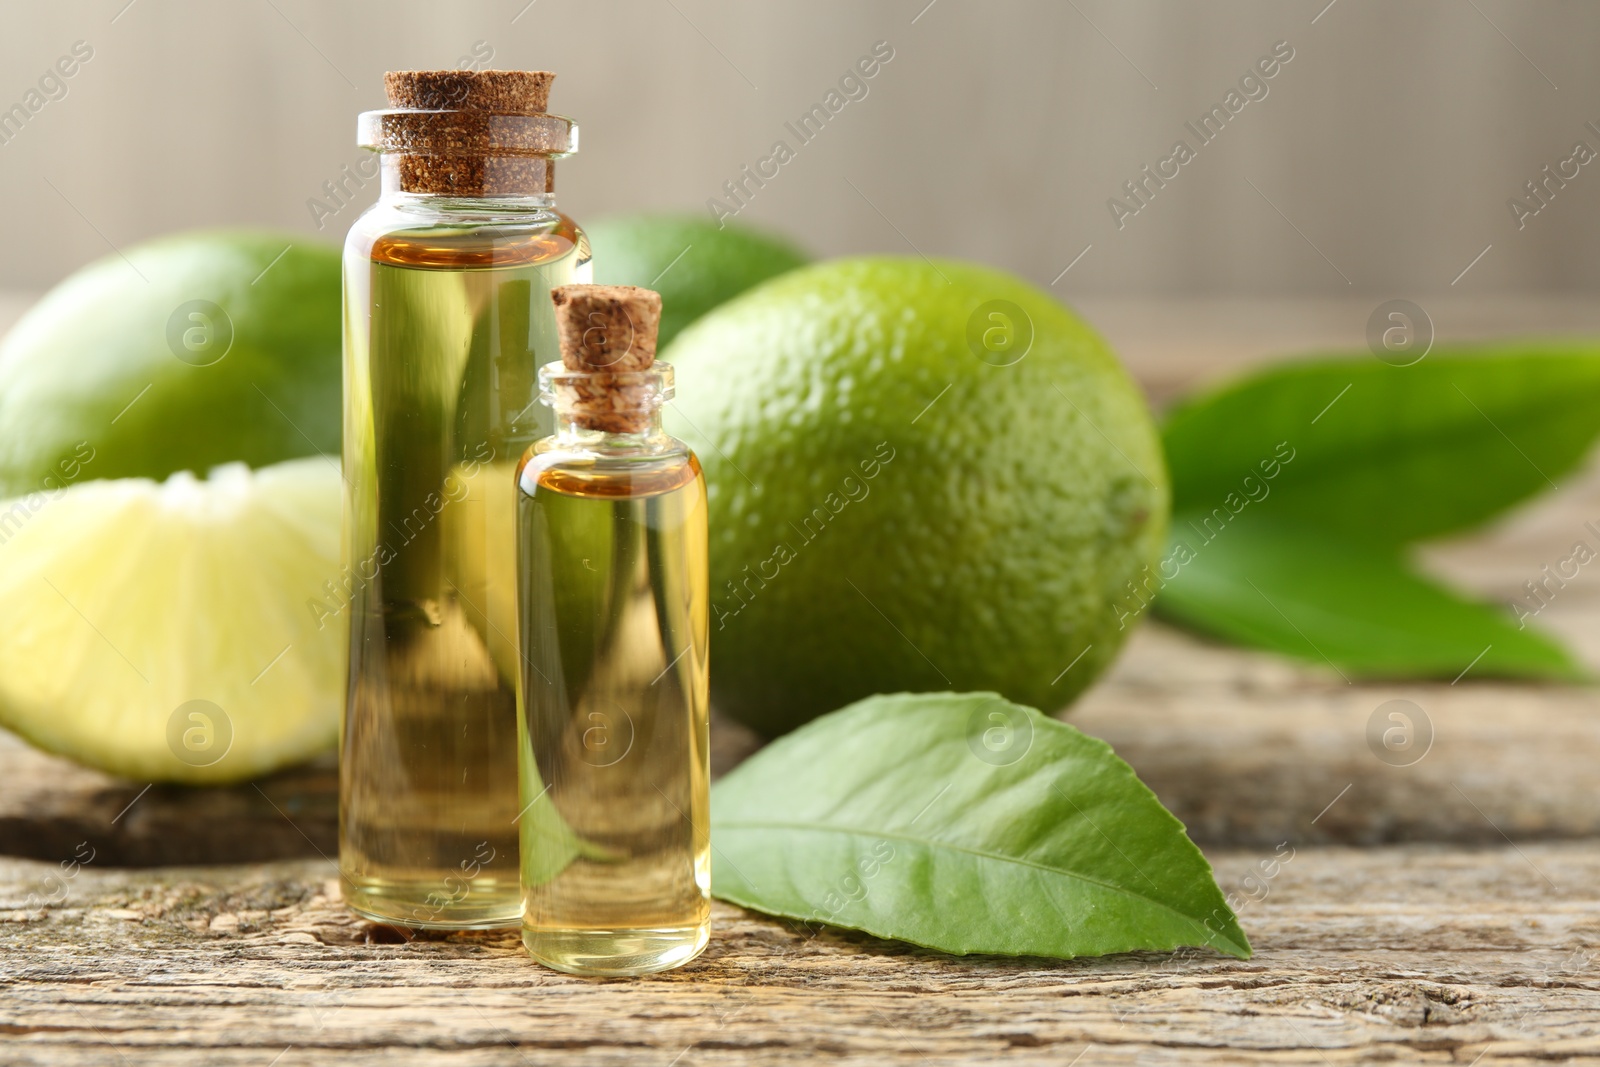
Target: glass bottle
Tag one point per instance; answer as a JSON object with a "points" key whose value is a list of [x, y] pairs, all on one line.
{"points": [[447, 318], [614, 616]]}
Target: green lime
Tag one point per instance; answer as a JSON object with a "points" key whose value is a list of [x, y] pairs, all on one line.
{"points": [[183, 353], [183, 630], [694, 264], [922, 476]]}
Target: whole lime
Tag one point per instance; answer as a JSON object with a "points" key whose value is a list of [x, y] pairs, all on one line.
{"points": [[922, 476], [180, 354], [692, 262]]}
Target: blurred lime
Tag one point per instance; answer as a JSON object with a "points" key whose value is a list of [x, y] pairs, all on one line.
{"points": [[186, 352], [475, 565], [690, 261], [176, 631], [922, 476]]}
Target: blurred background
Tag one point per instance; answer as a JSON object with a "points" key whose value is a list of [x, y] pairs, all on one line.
{"points": [[1376, 162]]}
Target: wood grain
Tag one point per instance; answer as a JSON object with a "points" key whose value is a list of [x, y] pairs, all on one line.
{"points": [[1417, 954]]}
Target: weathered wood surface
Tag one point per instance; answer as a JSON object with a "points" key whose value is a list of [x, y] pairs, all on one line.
{"points": [[1405, 953], [1245, 749], [48, 806]]}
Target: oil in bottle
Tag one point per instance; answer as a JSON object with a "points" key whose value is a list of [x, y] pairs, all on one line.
{"points": [[614, 623], [448, 317]]}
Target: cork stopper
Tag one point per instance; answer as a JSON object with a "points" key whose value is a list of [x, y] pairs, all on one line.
{"points": [[471, 133], [607, 327], [608, 347], [507, 92]]}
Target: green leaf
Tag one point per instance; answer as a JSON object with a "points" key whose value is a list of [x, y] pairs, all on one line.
{"points": [[1388, 455], [1359, 608], [964, 823]]}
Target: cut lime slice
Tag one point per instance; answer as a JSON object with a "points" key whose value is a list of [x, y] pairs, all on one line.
{"points": [[176, 631]]}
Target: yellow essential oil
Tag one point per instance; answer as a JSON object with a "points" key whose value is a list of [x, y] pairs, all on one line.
{"points": [[448, 317], [614, 622]]}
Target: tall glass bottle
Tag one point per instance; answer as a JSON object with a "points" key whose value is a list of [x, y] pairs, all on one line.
{"points": [[447, 318], [614, 613]]}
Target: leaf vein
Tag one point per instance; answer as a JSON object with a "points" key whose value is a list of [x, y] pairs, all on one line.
{"points": [[980, 853]]}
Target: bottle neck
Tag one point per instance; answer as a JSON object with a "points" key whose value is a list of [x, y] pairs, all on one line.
{"points": [[612, 413], [504, 183], [574, 433]]}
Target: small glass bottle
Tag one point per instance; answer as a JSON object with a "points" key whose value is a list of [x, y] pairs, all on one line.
{"points": [[613, 593], [447, 319]]}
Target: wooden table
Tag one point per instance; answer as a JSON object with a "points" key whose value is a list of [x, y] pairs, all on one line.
{"points": [[1445, 912]]}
